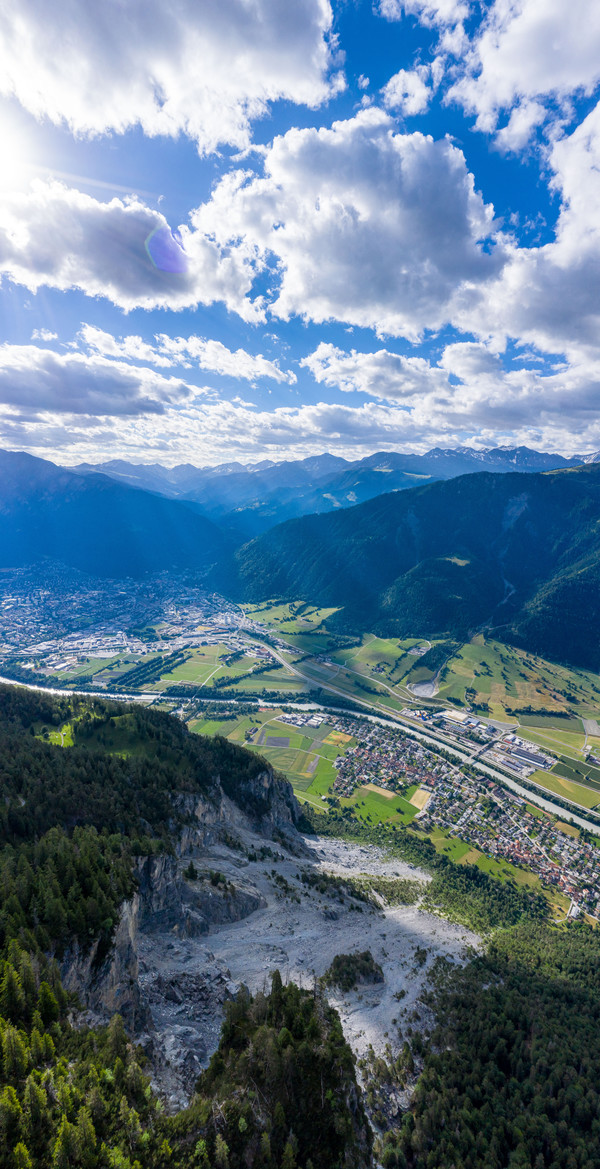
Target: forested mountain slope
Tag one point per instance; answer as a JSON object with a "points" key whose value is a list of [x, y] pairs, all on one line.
{"points": [[92, 523], [519, 553], [281, 1088]]}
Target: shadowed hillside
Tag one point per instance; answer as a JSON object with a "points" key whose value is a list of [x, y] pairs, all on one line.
{"points": [[94, 524], [519, 553]]}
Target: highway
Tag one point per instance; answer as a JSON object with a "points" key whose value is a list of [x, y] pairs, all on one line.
{"points": [[532, 797]]}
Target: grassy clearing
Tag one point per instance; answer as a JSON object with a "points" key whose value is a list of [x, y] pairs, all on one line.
{"points": [[373, 807], [386, 658], [197, 669], [568, 829], [471, 857], [534, 811], [299, 623], [555, 742], [544, 724], [212, 727], [62, 737], [586, 797], [420, 798]]}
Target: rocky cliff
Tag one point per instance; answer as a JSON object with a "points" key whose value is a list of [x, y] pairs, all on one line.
{"points": [[183, 894]]}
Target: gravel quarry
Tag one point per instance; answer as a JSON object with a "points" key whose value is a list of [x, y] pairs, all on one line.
{"points": [[185, 980]]}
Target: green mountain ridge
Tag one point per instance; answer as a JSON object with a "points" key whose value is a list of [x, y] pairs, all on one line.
{"points": [[515, 553]]}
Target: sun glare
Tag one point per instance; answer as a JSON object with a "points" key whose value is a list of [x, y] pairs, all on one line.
{"points": [[14, 160]]}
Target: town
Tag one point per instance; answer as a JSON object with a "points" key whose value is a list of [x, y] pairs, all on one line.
{"points": [[51, 626], [474, 809]]}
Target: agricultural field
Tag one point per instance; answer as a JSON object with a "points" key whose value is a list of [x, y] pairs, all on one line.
{"points": [[298, 622], [304, 754], [373, 805], [586, 797], [388, 657], [503, 678], [87, 667]]}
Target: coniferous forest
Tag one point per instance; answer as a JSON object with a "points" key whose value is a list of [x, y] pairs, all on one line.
{"points": [[508, 1078]]}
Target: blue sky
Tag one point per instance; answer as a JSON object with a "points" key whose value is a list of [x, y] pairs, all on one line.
{"points": [[385, 218]]}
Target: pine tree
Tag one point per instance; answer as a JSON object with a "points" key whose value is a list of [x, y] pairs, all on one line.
{"points": [[37, 1048], [28, 982], [96, 1105], [85, 1138], [34, 1104], [221, 1152], [65, 1146], [15, 1055], [116, 1039], [47, 1004], [21, 1157], [288, 1161], [12, 999], [11, 1115]]}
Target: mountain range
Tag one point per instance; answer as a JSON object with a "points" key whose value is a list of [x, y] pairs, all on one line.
{"points": [[247, 500], [516, 553], [96, 525]]}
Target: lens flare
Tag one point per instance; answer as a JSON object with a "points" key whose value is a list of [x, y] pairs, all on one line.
{"points": [[165, 250]]}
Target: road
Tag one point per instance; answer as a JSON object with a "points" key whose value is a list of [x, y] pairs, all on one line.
{"points": [[532, 797]]}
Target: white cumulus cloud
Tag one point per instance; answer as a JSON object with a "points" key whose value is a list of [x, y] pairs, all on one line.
{"points": [[365, 225], [408, 91], [527, 51], [35, 380], [381, 374], [200, 352], [121, 249], [549, 296], [206, 69], [428, 12]]}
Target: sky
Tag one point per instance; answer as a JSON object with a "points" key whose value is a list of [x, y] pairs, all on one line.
{"points": [[255, 229]]}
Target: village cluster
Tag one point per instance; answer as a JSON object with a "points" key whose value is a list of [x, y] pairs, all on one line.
{"points": [[474, 809], [499, 823], [58, 624]]}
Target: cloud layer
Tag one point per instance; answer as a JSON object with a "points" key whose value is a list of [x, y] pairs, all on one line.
{"points": [[188, 352], [205, 69], [35, 381]]}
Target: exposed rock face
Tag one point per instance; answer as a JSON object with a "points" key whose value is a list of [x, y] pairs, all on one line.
{"points": [[110, 986], [269, 799], [265, 803], [169, 903], [167, 900]]}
